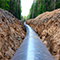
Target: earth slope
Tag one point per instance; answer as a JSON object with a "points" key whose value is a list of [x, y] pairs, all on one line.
{"points": [[47, 26], [12, 33]]}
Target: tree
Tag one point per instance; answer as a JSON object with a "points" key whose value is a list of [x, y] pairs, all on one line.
{"points": [[40, 6], [54, 4], [13, 6], [4, 4], [17, 11]]}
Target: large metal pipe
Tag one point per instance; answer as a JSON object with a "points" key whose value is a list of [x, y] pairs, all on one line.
{"points": [[32, 48]]}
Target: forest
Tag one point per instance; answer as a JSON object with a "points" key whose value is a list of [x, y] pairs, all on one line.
{"points": [[13, 6], [38, 7]]}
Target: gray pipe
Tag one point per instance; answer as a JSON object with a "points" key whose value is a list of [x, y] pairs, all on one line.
{"points": [[32, 48]]}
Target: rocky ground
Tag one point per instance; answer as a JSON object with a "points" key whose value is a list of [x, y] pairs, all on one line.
{"points": [[47, 26], [12, 33]]}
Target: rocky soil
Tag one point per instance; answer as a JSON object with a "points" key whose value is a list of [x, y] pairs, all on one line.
{"points": [[47, 26], [12, 33]]}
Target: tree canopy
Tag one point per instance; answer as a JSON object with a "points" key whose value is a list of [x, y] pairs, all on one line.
{"points": [[13, 6], [40, 6]]}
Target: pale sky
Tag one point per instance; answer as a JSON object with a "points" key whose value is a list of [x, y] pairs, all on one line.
{"points": [[26, 5]]}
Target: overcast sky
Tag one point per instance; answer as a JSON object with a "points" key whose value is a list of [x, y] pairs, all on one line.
{"points": [[26, 5]]}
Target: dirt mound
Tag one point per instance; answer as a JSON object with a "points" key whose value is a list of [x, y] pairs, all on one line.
{"points": [[47, 26], [12, 33]]}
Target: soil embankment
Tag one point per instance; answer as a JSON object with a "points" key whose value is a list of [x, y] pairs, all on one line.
{"points": [[12, 33], [47, 26]]}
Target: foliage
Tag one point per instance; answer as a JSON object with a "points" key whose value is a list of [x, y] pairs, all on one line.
{"points": [[13, 6], [24, 18], [40, 6], [4, 4]]}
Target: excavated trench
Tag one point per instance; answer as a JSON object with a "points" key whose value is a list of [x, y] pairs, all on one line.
{"points": [[13, 32]]}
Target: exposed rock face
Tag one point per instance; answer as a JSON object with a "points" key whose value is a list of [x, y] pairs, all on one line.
{"points": [[11, 35], [47, 26]]}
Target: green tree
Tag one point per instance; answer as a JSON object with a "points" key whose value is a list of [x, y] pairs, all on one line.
{"points": [[4, 4], [40, 6], [13, 6]]}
